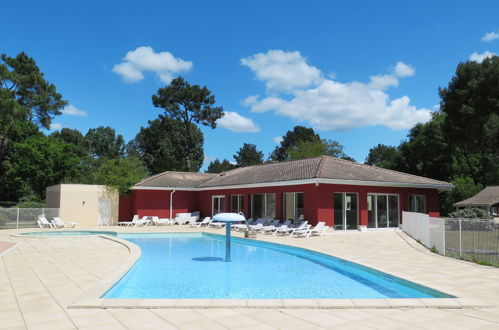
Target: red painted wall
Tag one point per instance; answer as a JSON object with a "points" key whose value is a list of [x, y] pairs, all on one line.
{"points": [[318, 201], [156, 203]]}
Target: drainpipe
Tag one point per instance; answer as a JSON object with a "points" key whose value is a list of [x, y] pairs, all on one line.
{"points": [[171, 204]]}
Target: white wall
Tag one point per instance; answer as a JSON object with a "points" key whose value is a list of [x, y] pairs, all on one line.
{"points": [[86, 204]]}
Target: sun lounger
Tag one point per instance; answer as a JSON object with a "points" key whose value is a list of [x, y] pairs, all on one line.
{"points": [[60, 224], [206, 222], [143, 222], [44, 223], [160, 221], [303, 225], [272, 226], [320, 229], [243, 226], [129, 223]]}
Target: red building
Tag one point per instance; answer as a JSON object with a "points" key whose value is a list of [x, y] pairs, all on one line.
{"points": [[344, 194]]}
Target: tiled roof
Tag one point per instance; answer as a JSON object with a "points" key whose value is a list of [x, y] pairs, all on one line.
{"points": [[322, 167], [487, 197], [175, 180], [301, 169], [334, 168]]}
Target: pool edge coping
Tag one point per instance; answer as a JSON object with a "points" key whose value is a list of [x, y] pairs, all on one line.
{"points": [[91, 299]]}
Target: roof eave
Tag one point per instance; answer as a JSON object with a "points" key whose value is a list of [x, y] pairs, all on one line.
{"points": [[164, 188]]}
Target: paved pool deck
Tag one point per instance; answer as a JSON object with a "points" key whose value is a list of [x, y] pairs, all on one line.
{"points": [[41, 277]]}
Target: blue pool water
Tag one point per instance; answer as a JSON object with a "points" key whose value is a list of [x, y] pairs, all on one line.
{"points": [[184, 266]]}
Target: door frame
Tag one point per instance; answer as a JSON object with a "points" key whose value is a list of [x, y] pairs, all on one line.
{"points": [[344, 213], [213, 199], [375, 209]]}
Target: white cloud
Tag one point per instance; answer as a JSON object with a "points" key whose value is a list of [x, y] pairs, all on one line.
{"points": [[278, 139], [490, 36], [333, 105], [250, 100], [71, 110], [55, 126], [404, 70], [236, 123], [143, 59], [283, 71], [480, 57]]}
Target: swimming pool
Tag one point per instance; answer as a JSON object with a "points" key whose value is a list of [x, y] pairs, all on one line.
{"points": [[190, 265]]}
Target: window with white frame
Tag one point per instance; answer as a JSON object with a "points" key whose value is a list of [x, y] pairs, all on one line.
{"points": [[236, 203], [416, 203], [263, 206], [292, 205]]}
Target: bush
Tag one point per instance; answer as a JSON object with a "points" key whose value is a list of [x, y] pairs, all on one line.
{"points": [[471, 213]]}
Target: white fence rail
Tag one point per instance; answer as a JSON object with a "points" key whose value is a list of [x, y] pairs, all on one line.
{"points": [[417, 225], [24, 217]]}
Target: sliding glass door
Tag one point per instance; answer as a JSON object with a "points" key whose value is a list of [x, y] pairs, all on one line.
{"points": [[292, 206], [345, 211], [382, 211], [217, 204], [263, 206]]}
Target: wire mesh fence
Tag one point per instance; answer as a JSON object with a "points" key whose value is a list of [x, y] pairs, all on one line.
{"points": [[11, 218], [472, 239]]}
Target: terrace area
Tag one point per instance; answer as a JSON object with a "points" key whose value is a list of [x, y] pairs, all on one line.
{"points": [[40, 277]]}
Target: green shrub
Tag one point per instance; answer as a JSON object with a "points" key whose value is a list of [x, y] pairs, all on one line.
{"points": [[471, 213]]}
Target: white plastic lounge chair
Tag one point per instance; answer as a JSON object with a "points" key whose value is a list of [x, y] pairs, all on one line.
{"points": [[205, 222], [282, 229], [44, 223], [143, 222], [160, 221], [129, 223], [303, 225], [320, 229], [217, 224], [243, 226], [274, 224], [60, 224]]}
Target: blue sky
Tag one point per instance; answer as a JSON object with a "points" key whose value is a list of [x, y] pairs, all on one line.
{"points": [[360, 72]]}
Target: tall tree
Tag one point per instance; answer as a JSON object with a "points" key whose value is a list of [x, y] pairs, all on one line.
{"points": [[191, 104], [120, 174], [25, 97], [38, 162], [426, 152], [161, 143], [326, 147], [103, 143], [72, 136], [384, 156], [248, 155], [292, 139], [217, 166], [471, 105]]}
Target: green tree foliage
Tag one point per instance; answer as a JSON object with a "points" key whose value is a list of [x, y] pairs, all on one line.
{"points": [[470, 213], [464, 188], [471, 105], [326, 147], [103, 143], [290, 140], [120, 174], [25, 98], [426, 151], [248, 155], [190, 104], [217, 166], [38, 162], [161, 145], [72, 136], [384, 156]]}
